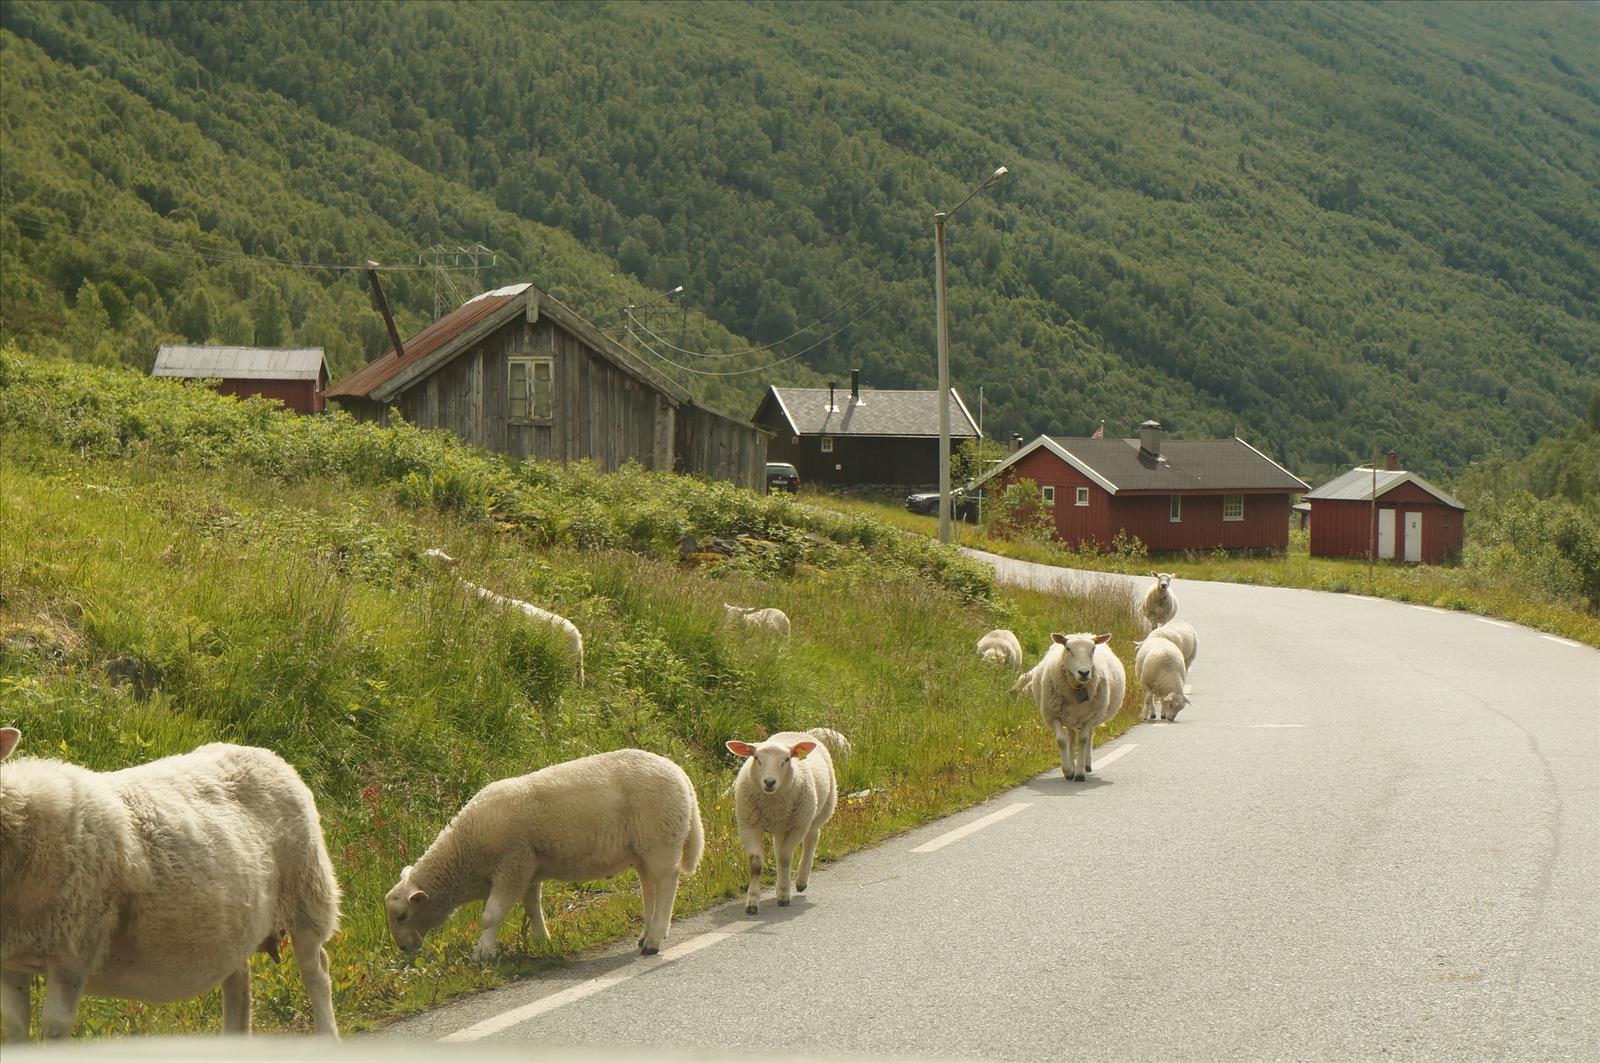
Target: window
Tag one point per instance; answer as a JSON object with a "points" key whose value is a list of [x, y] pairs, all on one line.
{"points": [[1233, 507], [1082, 498], [1175, 509], [1049, 496], [531, 389], [827, 444]]}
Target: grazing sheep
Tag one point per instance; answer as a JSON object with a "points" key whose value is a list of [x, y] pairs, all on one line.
{"points": [[786, 787], [1161, 671], [839, 746], [584, 819], [158, 882], [1026, 682], [1078, 686], [1001, 647], [559, 624], [1160, 605], [1181, 635], [771, 619]]}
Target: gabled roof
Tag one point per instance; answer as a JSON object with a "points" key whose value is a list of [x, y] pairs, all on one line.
{"points": [[201, 362], [1184, 466], [879, 413], [1356, 486]]}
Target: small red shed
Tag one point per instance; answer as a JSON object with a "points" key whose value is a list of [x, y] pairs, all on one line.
{"points": [[1415, 520], [295, 376], [1174, 494]]}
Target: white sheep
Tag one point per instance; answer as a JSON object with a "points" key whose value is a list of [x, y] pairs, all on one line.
{"points": [[158, 882], [1160, 605], [1001, 646], [584, 819], [1162, 673], [1077, 686], [786, 788], [839, 746], [771, 619], [563, 627], [1181, 635]]}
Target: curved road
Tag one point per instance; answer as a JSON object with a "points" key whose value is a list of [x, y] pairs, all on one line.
{"points": [[1376, 833]]}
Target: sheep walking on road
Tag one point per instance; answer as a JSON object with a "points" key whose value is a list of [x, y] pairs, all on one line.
{"points": [[1181, 635], [1001, 646], [158, 882], [1161, 671], [1160, 605], [786, 788], [775, 620], [1078, 686], [584, 819]]}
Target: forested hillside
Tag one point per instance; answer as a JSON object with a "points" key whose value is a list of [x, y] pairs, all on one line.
{"points": [[1334, 227]]}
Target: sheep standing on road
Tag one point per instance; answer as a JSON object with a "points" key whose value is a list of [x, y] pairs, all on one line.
{"points": [[786, 787], [1078, 686], [158, 882], [585, 819], [1160, 605], [1001, 646], [1181, 635], [771, 619], [1162, 673]]}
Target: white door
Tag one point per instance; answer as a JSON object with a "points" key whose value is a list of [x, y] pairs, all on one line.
{"points": [[1386, 534], [1414, 537]]}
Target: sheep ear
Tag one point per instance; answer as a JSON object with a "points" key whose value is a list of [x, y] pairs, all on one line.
{"points": [[417, 897], [741, 749], [1058, 637], [405, 872], [800, 749], [1155, 574], [1100, 640], [9, 737]]}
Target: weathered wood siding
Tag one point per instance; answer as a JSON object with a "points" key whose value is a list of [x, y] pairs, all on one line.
{"points": [[721, 449]]}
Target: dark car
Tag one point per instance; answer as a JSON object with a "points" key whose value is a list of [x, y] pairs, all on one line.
{"points": [[963, 503], [781, 476]]}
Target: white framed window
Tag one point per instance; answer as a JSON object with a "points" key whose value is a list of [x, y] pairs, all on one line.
{"points": [[531, 389], [1049, 496], [1233, 507], [1082, 497], [827, 444], [1175, 509]]}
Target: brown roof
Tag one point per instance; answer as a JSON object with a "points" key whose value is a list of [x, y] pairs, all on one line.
{"points": [[1185, 466]]}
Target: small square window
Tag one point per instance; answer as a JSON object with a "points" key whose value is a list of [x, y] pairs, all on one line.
{"points": [[1175, 510], [1082, 498], [531, 389], [1233, 507], [827, 444], [1049, 496]]}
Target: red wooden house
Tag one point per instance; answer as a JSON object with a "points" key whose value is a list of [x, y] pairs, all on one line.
{"points": [[295, 376], [1173, 494], [1412, 520]]}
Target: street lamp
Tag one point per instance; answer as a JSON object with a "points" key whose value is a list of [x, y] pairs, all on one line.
{"points": [[630, 308], [943, 336]]}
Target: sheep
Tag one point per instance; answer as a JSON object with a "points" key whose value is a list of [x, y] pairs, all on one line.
{"points": [[583, 819], [786, 787], [158, 882], [1161, 671], [566, 629], [1001, 647], [1160, 605], [839, 746], [1181, 635], [1077, 686], [771, 619]]}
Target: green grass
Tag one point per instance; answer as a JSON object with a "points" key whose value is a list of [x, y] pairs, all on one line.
{"points": [[186, 538], [1440, 586]]}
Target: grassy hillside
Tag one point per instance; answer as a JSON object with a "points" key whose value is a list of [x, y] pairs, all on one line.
{"points": [[1332, 226], [178, 567]]}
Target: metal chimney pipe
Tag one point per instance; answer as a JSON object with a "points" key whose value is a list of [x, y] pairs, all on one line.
{"points": [[831, 406], [855, 387], [1150, 438]]}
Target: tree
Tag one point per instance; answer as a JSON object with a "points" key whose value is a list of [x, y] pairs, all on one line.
{"points": [[194, 313], [272, 321], [89, 327]]}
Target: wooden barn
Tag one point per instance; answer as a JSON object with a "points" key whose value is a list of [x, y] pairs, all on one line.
{"points": [[1173, 494], [294, 376], [1415, 521], [517, 372], [864, 436]]}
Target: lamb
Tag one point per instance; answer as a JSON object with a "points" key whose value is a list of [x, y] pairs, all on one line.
{"points": [[563, 627], [1000, 646], [771, 619], [786, 787], [1077, 686], [583, 819], [1181, 635], [158, 882], [1160, 605], [1161, 671]]}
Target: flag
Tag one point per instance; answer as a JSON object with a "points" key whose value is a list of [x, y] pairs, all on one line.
{"points": [[1099, 433]]}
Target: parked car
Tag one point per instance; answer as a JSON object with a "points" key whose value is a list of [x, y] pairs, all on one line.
{"points": [[963, 503], [781, 476]]}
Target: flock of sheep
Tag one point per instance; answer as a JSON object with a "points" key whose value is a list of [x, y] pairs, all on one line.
{"points": [[159, 882]]}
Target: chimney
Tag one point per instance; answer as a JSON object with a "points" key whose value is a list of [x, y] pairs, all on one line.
{"points": [[1150, 438], [1016, 444], [831, 406], [1391, 460], [855, 387]]}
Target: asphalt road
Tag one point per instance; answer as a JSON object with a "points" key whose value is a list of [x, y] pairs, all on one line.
{"points": [[1376, 833]]}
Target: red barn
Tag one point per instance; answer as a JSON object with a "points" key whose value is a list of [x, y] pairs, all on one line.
{"points": [[1416, 521], [295, 376], [1174, 494]]}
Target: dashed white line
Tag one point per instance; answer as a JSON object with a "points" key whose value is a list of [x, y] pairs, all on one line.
{"points": [[1367, 598], [1564, 642], [544, 1005], [1431, 609], [1274, 725], [1115, 754], [971, 828], [1496, 623]]}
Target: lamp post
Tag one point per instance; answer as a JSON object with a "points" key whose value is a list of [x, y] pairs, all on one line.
{"points": [[630, 308], [942, 334]]}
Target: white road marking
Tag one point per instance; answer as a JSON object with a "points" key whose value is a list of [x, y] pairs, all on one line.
{"points": [[1120, 751], [1274, 725], [971, 828], [544, 1005], [1496, 623], [1368, 598], [1431, 609], [1564, 642]]}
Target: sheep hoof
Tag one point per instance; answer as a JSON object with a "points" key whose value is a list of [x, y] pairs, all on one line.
{"points": [[783, 902], [800, 887], [749, 909], [646, 950]]}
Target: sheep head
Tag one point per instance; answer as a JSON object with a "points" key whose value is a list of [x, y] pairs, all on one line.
{"points": [[773, 767], [412, 913], [1078, 659]]}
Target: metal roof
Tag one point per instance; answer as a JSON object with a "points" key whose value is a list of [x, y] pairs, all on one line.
{"points": [[1356, 486], [879, 413], [1184, 465], [200, 362]]}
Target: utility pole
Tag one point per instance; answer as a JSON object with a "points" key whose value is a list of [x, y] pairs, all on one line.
{"points": [[1372, 553], [383, 306]]}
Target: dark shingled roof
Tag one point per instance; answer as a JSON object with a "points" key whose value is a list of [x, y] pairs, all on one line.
{"points": [[880, 413], [1184, 465]]}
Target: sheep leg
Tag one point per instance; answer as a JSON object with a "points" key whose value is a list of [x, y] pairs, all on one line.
{"points": [[533, 908], [1087, 736], [1064, 744], [15, 1005], [647, 906], [236, 1001], [783, 849], [659, 917], [316, 975], [806, 856], [63, 986], [751, 840], [502, 898]]}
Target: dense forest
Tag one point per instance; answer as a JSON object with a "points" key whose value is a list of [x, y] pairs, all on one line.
{"points": [[1334, 228]]}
